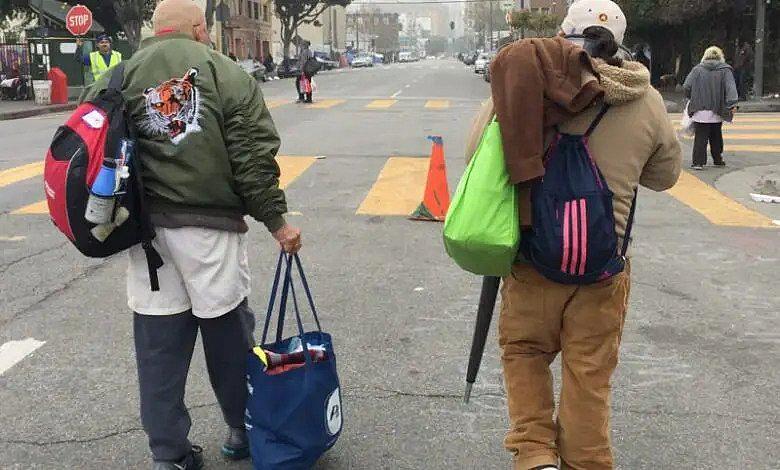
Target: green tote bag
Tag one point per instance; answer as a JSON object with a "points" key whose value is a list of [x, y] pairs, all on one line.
{"points": [[482, 229]]}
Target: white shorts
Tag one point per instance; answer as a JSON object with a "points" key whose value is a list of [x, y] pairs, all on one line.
{"points": [[205, 270]]}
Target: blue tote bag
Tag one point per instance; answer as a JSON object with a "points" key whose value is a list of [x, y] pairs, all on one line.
{"points": [[293, 412]]}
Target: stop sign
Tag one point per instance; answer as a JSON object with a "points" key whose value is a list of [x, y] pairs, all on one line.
{"points": [[78, 20]]}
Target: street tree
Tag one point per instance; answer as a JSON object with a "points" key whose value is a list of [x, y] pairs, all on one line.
{"points": [[15, 15], [294, 13]]}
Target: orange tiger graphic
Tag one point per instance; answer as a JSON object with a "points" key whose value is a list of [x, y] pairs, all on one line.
{"points": [[173, 108]]}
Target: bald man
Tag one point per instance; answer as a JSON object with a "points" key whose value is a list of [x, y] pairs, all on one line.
{"points": [[207, 145]]}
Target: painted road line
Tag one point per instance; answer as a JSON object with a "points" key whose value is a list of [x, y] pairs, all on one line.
{"points": [[743, 119], [38, 208], [714, 205], [271, 104], [727, 136], [399, 188], [20, 173], [381, 104], [325, 104], [12, 352], [753, 148], [747, 127], [395, 95], [437, 104], [292, 168], [16, 238]]}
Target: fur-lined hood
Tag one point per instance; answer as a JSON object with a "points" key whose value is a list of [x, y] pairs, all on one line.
{"points": [[623, 84]]}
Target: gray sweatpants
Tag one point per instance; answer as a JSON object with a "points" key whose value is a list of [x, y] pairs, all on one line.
{"points": [[164, 346]]}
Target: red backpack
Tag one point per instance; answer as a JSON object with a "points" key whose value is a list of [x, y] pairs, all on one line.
{"points": [[99, 131]]}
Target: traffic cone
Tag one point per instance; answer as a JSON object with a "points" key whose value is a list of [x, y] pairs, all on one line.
{"points": [[437, 193]]}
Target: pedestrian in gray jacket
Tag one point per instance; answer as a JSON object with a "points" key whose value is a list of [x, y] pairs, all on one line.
{"points": [[712, 91]]}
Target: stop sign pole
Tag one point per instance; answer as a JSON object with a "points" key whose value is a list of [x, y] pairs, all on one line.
{"points": [[78, 20]]}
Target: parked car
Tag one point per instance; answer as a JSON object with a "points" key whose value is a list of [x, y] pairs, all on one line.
{"points": [[363, 60], [481, 63], [486, 73], [469, 59], [323, 59], [253, 68], [288, 68]]}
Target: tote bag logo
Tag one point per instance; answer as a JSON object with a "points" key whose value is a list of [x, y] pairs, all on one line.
{"points": [[333, 417]]}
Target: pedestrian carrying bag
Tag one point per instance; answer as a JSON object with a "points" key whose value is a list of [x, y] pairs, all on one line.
{"points": [[573, 238], [97, 131], [482, 228], [293, 412]]}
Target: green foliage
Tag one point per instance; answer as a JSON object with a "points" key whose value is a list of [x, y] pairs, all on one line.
{"points": [[535, 24]]}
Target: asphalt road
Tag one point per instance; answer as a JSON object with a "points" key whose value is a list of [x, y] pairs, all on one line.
{"points": [[698, 380]]}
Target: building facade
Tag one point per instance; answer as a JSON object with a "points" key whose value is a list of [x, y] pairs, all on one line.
{"points": [[247, 31], [373, 31]]}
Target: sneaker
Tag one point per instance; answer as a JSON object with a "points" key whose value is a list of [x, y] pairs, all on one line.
{"points": [[236, 446], [193, 461], [697, 167], [720, 162]]}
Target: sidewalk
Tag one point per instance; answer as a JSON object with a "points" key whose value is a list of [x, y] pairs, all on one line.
{"points": [[24, 109]]}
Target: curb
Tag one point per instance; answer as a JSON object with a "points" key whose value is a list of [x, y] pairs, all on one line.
{"points": [[25, 113]]}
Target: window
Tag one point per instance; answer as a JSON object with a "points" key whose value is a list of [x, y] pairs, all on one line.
{"points": [[387, 20], [265, 12], [546, 10], [257, 10], [240, 7], [376, 21]]}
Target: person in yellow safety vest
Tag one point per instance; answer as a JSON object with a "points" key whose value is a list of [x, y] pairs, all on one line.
{"points": [[101, 60]]}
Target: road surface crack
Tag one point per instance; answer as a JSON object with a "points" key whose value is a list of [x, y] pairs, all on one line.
{"points": [[7, 266], [87, 440], [83, 275]]}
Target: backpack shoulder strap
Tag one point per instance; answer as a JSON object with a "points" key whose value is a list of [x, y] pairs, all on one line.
{"points": [[629, 225], [117, 77], [597, 120]]}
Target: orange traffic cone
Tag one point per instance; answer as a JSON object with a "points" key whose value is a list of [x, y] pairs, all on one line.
{"points": [[437, 194]]}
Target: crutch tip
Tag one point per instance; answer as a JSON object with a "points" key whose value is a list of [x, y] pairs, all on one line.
{"points": [[467, 395]]}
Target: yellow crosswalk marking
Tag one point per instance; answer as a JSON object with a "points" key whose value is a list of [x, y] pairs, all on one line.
{"points": [[746, 127], [271, 104], [714, 205], [745, 118], [292, 168], [325, 104], [20, 173], [399, 188], [753, 148], [728, 136], [37, 208], [381, 104], [437, 104]]}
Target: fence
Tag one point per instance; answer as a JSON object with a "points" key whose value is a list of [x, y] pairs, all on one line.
{"points": [[15, 58], [12, 56]]}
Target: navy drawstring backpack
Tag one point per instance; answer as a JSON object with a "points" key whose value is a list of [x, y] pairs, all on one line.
{"points": [[573, 238]]}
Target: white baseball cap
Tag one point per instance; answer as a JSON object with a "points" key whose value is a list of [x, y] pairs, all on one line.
{"points": [[586, 13]]}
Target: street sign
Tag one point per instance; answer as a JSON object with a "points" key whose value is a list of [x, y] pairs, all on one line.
{"points": [[78, 20]]}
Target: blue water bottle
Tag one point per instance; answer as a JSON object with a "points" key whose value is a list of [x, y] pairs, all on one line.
{"points": [[100, 206]]}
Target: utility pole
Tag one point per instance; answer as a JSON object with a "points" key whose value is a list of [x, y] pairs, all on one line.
{"points": [[490, 47], [758, 74]]}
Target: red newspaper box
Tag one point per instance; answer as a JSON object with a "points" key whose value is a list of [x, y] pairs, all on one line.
{"points": [[59, 86]]}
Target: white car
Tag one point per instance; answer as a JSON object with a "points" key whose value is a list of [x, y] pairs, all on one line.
{"points": [[481, 63], [363, 61]]}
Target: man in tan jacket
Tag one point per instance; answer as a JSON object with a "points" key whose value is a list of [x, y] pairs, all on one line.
{"points": [[635, 144]]}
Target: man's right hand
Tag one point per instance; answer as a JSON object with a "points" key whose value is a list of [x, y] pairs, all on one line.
{"points": [[289, 238], [79, 42]]}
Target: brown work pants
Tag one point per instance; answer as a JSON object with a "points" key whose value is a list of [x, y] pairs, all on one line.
{"points": [[539, 319]]}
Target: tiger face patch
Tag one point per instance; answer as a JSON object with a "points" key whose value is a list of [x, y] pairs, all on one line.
{"points": [[173, 108]]}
